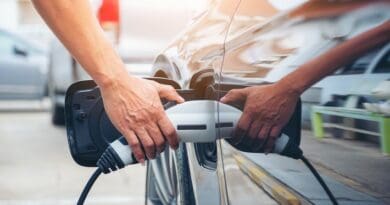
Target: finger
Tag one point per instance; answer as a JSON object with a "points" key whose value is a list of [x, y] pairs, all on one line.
{"points": [[257, 142], [254, 129], [274, 134], [135, 146], [157, 137], [169, 93], [241, 129], [263, 136], [234, 95], [169, 132], [147, 143]]}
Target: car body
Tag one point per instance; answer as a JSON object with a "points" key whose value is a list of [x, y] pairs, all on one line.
{"points": [[139, 41], [233, 44], [23, 68]]}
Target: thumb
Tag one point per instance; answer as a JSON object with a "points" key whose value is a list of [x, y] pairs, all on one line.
{"points": [[169, 93], [235, 95]]}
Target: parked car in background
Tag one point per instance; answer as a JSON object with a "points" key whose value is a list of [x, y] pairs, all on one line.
{"points": [[232, 44], [145, 27], [23, 68]]}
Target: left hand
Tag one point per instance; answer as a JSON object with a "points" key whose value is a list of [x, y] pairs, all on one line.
{"points": [[268, 108]]}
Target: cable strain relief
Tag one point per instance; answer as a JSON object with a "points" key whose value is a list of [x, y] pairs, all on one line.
{"points": [[109, 161]]}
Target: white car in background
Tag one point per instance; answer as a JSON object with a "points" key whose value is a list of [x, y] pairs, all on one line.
{"points": [[23, 68], [146, 27]]}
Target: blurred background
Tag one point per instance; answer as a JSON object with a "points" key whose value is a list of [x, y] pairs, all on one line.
{"points": [[35, 71]]}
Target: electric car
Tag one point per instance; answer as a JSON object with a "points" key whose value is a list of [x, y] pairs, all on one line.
{"points": [[231, 44]]}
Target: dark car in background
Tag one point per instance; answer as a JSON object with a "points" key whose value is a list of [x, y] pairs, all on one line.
{"points": [[232, 44], [23, 68]]}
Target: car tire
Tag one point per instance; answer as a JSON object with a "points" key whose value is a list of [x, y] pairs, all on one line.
{"points": [[182, 182], [58, 115]]}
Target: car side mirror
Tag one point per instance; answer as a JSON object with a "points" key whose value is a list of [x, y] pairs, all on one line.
{"points": [[20, 51]]}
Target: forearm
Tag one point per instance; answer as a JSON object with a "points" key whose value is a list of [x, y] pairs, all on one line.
{"points": [[75, 25], [316, 69]]}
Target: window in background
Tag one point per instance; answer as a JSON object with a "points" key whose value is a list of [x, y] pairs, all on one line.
{"points": [[384, 65]]}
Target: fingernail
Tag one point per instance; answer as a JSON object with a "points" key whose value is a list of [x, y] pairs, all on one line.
{"points": [[142, 161], [222, 99]]}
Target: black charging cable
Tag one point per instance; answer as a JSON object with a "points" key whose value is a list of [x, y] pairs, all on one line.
{"points": [[88, 186], [294, 151], [319, 179]]}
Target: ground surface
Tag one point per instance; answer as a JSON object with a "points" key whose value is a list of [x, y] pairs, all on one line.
{"points": [[37, 169], [356, 163]]}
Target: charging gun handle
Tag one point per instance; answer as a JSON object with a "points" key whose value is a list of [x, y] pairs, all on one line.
{"points": [[119, 154]]}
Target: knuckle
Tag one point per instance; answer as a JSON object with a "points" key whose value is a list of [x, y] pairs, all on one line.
{"points": [[262, 134], [134, 143], [139, 154], [170, 132], [171, 88], [242, 126], [260, 137], [233, 91]]}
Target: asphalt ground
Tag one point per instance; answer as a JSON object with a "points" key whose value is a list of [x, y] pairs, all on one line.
{"points": [[36, 167], [359, 164]]}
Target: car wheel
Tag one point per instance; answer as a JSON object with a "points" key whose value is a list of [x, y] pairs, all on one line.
{"points": [[58, 115], [168, 178]]}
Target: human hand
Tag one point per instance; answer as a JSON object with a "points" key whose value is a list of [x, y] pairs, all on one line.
{"points": [[268, 108], [134, 107]]}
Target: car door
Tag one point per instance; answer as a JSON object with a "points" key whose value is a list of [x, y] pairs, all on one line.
{"points": [[239, 61], [20, 75]]}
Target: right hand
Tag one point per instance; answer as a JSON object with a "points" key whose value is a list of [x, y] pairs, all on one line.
{"points": [[268, 108], [134, 107]]}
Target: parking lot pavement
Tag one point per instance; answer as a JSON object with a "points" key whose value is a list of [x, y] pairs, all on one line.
{"points": [[359, 164], [36, 167], [355, 171]]}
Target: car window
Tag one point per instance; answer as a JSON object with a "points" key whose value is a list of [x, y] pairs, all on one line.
{"points": [[6, 44], [383, 65]]}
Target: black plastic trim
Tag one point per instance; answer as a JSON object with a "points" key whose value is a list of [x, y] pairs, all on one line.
{"points": [[192, 127]]}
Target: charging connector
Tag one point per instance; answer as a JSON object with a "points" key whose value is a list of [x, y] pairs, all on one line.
{"points": [[206, 117]]}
